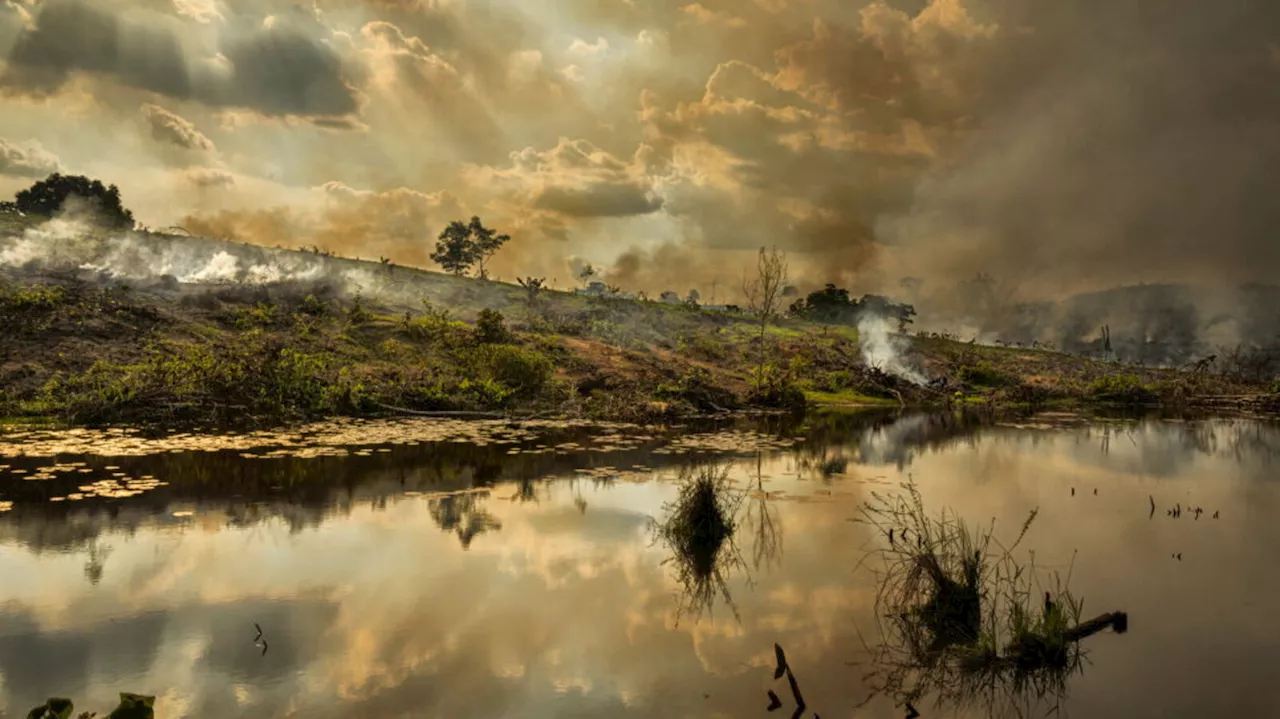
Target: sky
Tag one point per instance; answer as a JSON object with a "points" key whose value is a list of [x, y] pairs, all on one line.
{"points": [[1058, 146]]}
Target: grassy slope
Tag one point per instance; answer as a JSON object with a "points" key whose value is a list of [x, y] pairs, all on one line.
{"points": [[85, 352]]}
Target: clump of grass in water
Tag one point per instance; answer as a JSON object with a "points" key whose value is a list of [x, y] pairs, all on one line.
{"points": [[699, 531], [960, 619]]}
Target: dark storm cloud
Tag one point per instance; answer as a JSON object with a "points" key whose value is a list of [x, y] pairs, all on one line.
{"points": [[608, 200], [275, 68]]}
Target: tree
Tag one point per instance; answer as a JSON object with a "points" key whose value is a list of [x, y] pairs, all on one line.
{"points": [[46, 197], [764, 295], [485, 242], [532, 286], [586, 274], [692, 299], [832, 305], [462, 245], [455, 251], [764, 291]]}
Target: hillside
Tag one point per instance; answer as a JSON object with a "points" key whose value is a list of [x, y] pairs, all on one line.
{"points": [[178, 329]]}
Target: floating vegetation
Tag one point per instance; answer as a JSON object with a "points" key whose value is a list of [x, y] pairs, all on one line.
{"points": [[320, 439], [699, 530], [730, 442], [962, 621]]}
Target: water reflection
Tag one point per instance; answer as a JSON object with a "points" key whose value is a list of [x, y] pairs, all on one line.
{"points": [[457, 579]]}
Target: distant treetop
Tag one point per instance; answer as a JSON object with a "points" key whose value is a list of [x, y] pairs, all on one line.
{"points": [[46, 197]]}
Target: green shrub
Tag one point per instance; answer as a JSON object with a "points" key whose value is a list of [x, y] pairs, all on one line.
{"points": [[526, 372], [1122, 388], [357, 314], [984, 374], [431, 329], [32, 298], [491, 328], [486, 391], [260, 315], [313, 307], [772, 386]]}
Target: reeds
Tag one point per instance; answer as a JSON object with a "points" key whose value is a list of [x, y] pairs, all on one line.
{"points": [[699, 529], [960, 619]]}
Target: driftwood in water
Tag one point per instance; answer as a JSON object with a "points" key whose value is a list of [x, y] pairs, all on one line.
{"points": [[1034, 652], [443, 413], [464, 413], [1113, 620]]}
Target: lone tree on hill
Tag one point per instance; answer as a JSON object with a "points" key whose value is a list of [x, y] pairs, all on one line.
{"points": [[47, 197], [486, 242], [462, 245], [454, 251]]}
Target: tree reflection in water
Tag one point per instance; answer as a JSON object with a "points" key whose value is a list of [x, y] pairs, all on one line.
{"points": [[464, 514]]}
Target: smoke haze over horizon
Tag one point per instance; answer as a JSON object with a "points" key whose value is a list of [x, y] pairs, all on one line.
{"points": [[1062, 147]]}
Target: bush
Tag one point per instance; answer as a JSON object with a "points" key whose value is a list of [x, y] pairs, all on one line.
{"points": [[772, 386], [258, 316], [357, 314], [48, 196], [491, 328], [1122, 388], [313, 307], [526, 372], [984, 374]]}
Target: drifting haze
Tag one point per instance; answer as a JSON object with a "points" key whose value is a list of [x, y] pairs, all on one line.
{"points": [[1060, 146]]}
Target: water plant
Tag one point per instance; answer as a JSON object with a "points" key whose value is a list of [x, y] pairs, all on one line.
{"points": [[961, 620], [699, 530]]}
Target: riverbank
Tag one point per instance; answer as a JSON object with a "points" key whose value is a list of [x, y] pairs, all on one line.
{"points": [[80, 349]]}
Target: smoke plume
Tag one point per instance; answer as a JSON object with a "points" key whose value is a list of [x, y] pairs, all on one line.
{"points": [[884, 350]]}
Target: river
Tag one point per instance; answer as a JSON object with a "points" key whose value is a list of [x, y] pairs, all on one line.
{"points": [[448, 569]]}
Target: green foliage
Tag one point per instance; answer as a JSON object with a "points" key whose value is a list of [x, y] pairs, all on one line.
{"points": [[486, 391], [313, 307], [1122, 388], [356, 313], [259, 316], [491, 328], [46, 197], [985, 374], [526, 372], [774, 386], [32, 298], [253, 374]]}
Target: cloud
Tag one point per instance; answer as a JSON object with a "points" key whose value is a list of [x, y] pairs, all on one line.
{"points": [[1059, 146], [701, 14], [28, 159], [207, 177], [171, 128], [577, 179], [277, 69]]}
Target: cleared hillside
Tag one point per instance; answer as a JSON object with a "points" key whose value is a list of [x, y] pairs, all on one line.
{"points": [[166, 328]]}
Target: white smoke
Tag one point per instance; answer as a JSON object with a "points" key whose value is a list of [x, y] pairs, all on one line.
{"points": [[884, 350], [71, 242]]}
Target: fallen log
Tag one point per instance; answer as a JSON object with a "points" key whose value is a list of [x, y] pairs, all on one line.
{"points": [[1113, 620]]}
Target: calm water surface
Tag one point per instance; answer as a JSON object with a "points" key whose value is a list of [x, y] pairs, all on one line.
{"points": [[437, 569]]}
